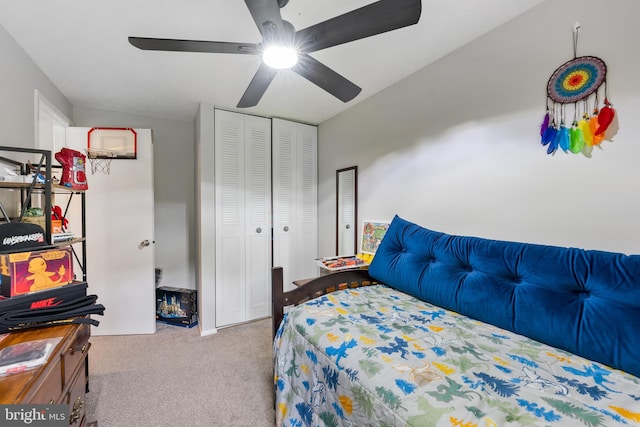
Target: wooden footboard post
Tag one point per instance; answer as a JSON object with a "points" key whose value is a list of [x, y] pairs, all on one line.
{"points": [[277, 303]]}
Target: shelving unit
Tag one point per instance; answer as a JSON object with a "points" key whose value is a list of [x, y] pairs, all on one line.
{"points": [[46, 190], [64, 378]]}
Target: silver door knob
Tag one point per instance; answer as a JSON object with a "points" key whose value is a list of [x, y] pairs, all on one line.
{"points": [[144, 244], [258, 230], [348, 226], [286, 228]]}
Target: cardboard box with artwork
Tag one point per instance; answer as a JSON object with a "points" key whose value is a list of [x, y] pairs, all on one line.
{"points": [[38, 270]]}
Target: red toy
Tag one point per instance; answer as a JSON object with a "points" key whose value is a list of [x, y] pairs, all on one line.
{"points": [[73, 168], [56, 213]]}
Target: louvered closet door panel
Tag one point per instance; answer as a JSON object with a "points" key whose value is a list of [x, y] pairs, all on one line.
{"points": [[295, 199], [308, 199], [285, 211], [230, 216], [258, 216]]}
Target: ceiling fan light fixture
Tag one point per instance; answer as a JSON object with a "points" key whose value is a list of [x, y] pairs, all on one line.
{"points": [[280, 57], [291, 48]]}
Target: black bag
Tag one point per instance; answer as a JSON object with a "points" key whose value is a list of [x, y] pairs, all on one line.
{"points": [[21, 235]]}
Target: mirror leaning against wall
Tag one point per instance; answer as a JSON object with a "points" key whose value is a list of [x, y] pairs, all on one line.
{"points": [[346, 211]]}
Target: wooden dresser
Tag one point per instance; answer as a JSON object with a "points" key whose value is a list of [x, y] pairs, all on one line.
{"points": [[62, 380]]}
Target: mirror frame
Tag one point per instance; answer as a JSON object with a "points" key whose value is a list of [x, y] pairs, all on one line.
{"points": [[355, 207]]}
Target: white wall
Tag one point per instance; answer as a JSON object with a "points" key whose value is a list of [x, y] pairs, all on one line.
{"points": [[455, 147], [19, 76], [174, 176]]}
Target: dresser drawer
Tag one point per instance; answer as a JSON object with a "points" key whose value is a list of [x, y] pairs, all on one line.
{"points": [[74, 352], [75, 396], [49, 385]]}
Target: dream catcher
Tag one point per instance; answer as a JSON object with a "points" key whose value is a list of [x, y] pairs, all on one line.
{"points": [[580, 83]]}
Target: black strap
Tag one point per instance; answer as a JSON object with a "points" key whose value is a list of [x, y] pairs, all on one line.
{"points": [[72, 311]]}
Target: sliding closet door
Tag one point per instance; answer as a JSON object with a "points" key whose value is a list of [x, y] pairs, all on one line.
{"points": [[242, 209]]}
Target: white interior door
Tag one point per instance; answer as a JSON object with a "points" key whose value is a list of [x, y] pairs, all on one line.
{"points": [[258, 216], [307, 177], [285, 212], [120, 249], [243, 217], [230, 213], [295, 200], [51, 124]]}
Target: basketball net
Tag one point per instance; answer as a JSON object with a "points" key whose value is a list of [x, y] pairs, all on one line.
{"points": [[100, 160]]}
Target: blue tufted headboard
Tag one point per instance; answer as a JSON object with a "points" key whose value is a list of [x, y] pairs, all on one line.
{"points": [[584, 301]]}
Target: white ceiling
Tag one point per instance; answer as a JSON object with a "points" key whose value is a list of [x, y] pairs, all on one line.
{"points": [[82, 46]]}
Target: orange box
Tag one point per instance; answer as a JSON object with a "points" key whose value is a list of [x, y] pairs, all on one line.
{"points": [[26, 272], [56, 226]]}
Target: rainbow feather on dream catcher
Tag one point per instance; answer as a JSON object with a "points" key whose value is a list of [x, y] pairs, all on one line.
{"points": [[577, 83]]}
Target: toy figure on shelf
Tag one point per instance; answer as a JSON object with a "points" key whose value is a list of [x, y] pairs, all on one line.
{"points": [[56, 214], [73, 169]]}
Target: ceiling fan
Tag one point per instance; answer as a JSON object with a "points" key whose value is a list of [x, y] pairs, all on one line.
{"points": [[367, 21]]}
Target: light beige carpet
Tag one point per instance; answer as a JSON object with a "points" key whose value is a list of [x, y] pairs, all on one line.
{"points": [[178, 378]]}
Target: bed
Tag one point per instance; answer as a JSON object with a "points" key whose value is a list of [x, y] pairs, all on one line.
{"points": [[449, 330]]}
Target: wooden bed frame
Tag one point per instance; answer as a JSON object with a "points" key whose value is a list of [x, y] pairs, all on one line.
{"points": [[314, 288]]}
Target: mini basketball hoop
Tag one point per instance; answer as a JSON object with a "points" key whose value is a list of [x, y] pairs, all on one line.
{"points": [[100, 160]]}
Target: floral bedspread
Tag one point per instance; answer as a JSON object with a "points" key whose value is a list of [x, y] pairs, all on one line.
{"points": [[374, 356]]}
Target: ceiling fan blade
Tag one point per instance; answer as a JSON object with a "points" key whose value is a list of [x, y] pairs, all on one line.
{"points": [[324, 77], [258, 86], [376, 18], [146, 43], [264, 12]]}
